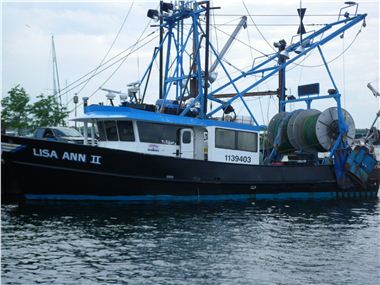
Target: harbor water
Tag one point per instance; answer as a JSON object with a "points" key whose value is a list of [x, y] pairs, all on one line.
{"points": [[263, 242]]}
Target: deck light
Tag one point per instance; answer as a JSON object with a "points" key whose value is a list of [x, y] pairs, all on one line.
{"points": [[167, 7], [284, 54], [299, 49], [228, 109], [302, 46], [212, 76], [153, 14], [280, 44], [85, 101]]}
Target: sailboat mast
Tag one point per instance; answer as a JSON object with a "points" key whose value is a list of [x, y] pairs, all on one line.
{"points": [[54, 79], [56, 84]]}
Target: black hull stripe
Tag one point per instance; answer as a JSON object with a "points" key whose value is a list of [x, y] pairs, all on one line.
{"points": [[173, 180]]}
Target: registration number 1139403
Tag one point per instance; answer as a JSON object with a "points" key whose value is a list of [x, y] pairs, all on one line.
{"points": [[238, 158]]}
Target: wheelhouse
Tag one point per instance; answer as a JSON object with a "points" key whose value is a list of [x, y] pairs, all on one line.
{"points": [[153, 133]]}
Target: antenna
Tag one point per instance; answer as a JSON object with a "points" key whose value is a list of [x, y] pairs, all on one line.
{"points": [[301, 13]]}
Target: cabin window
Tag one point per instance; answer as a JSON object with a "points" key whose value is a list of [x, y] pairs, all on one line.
{"points": [[111, 130], [101, 130], [236, 140], [186, 137], [158, 133], [125, 129], [225, 138], [246, 141]]}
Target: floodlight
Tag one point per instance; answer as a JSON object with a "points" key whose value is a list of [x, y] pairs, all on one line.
{"points": [[166, 7], [153, 14], [284, 54], [212, 76], [299, 49]]}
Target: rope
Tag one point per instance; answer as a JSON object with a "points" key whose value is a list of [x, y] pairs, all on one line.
{"points": [[236, 39], [344, 76], [335, 58], [250, 50], [261, 34], [109, 66], [84, 76], [122, 62], [216, 34], [110, 48], [108, 78], [252, 58]]}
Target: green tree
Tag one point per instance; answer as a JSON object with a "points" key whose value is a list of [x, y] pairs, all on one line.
{"points": [[15, 110], [47, 112]]}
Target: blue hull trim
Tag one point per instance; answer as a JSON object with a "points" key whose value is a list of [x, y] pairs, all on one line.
{"points": [[279, 196]]}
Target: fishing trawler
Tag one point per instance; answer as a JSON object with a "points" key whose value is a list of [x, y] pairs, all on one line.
{"points": [[181, 149]]}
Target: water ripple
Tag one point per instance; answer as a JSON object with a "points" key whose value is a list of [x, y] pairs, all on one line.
{"points": [[186, 243]]}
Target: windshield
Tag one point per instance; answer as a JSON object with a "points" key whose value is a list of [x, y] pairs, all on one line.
{"points": [[67, 132]]}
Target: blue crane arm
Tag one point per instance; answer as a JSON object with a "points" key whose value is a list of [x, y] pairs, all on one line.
{"points": [[348, 23]]}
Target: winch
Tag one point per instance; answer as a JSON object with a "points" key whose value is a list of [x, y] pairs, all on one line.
{"points": [[308, 130]]}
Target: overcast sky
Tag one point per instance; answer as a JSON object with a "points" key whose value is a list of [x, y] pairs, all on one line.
{"points": [[85, 30]]}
